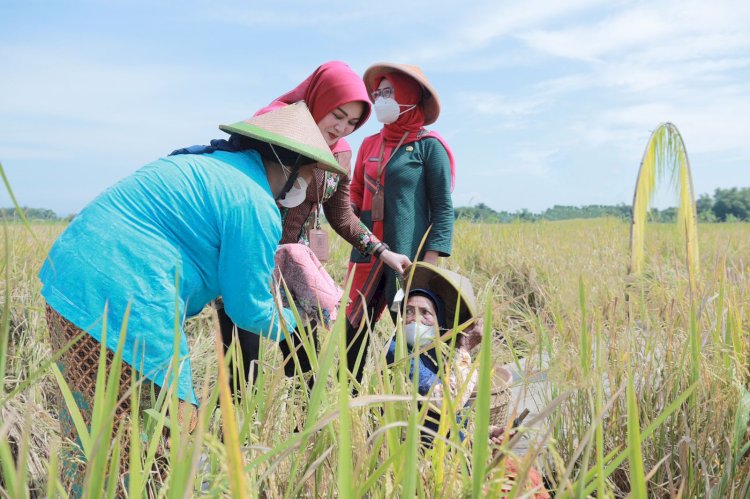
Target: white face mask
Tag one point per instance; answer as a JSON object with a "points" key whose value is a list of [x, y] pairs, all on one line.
{"points": [[296, 195], [387, 110], [417, 333]]}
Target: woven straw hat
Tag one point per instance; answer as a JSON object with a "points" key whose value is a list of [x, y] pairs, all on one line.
{"points": [[293, 128], [430, 101], [455, 290]]}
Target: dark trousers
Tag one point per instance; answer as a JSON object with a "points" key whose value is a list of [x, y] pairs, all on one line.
{"points": [[361, 342], [249, 351]]}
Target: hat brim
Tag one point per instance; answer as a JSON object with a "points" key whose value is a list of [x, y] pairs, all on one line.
{"points": [[323, 159], [442, 283], [430, 102]]}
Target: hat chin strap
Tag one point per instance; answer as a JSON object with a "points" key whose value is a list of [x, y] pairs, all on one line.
{"points": [[292, 178]]}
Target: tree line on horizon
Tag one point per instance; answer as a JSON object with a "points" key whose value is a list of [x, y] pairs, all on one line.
{"points": [[726, 205]]}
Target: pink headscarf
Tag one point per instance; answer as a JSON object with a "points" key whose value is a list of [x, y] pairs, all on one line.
{"points": [[408, 92], [331, 85]]}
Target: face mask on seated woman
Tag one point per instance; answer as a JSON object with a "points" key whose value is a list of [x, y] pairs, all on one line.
{"points": [[417, 333]]}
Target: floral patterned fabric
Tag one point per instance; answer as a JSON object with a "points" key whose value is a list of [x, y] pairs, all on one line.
{"points": [[312, 290]]}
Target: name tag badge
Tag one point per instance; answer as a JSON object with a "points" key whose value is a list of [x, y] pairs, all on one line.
{"points": [[319, 244], [378, 207]]}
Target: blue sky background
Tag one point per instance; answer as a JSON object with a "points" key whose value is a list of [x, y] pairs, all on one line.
{"points": [[544, 102]]}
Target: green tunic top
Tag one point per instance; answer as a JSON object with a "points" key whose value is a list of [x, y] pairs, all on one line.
{"points": [[417, 188], [417, 195]]}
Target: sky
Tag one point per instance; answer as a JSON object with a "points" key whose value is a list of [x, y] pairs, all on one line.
{"points": [[543, 102]]}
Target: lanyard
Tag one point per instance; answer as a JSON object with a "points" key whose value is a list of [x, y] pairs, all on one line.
{"points": [[317, 195], [381, 165]]}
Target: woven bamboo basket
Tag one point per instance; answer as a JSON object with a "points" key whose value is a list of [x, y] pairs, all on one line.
{"points": [[500, 395]]}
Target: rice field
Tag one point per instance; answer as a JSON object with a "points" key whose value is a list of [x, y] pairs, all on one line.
{"points": [[647, 383]]}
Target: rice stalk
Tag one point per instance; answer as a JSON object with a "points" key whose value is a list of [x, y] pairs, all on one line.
{"points": [[482, 406], [231, 437], [665, 154], [635, 457], [345, 468]]}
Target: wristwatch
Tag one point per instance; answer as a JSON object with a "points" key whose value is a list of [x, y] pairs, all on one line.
{"points": [[379, 249]]}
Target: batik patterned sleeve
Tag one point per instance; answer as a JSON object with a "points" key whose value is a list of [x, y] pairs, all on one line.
{"points": [[339, 213]]}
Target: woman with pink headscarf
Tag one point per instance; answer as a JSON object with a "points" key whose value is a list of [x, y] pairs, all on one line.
{"points": [[401, 190], [339, 104]]}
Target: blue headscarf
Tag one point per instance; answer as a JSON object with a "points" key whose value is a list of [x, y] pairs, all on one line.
{"points": [[436, 301]]}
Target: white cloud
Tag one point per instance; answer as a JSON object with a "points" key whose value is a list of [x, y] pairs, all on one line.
{"points": [[278, 15], [643, 27], [478, 24], [524, 159], [533, 90], [64, 103], [487, 103]]}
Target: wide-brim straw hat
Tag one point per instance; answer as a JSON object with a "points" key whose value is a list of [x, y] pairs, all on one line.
{"points": [[292, 128], [430, 101], [454, 289]]}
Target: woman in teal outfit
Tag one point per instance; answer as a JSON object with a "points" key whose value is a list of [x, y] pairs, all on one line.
{"points": [[162, 243]]}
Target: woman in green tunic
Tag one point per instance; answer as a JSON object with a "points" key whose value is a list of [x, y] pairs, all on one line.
{"points": [[401, 191]]}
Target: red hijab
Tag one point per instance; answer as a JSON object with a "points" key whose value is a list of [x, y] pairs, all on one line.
{"points": [[407, 92], [328, 87]]}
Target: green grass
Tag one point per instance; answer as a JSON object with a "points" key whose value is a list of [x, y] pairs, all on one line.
{"points": [[647, 376]]}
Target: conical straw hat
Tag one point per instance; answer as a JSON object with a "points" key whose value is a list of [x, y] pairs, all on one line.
{"points": [[293, 128], [430, 101], [453, 289]]}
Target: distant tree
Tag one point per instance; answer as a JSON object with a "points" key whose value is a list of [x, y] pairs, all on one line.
{"points": [[29, 213], [667, 215], [704, 207], [734, 202], [731, 219], [704, 203], [559, 212], [526, 216], [726, 205], [478, 213]]}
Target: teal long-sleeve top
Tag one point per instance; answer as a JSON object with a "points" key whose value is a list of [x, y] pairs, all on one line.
{"points": [[167, 240]]}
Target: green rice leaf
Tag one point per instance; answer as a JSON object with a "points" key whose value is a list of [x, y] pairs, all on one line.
{"points": [[637, 475], [70, 403], [482, 404]]}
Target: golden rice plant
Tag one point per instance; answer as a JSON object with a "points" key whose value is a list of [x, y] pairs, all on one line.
{"points": [[630, 387], [665, 156]]}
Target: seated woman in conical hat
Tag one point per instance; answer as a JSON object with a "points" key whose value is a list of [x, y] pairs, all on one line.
{"points": [[439, 301]]}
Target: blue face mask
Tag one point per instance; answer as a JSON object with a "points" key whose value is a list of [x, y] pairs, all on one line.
{"points": [[417, 333]]}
